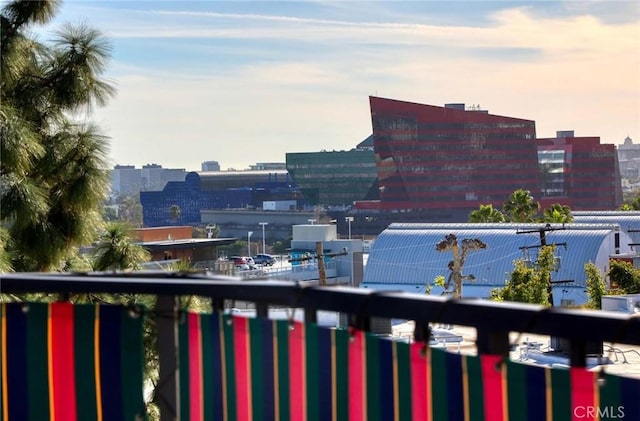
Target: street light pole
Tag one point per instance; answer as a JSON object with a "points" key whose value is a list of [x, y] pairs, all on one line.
{"points": [[264, 248], [249, 243], [349, 220]]}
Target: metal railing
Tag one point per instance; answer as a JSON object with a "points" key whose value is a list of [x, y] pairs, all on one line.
{"points": [[493, 321]]}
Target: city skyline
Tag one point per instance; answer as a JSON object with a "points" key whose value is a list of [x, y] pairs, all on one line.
{"points": [[247, 82]]}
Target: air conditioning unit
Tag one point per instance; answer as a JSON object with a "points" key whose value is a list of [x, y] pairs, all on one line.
{"points": [[627, 303]]}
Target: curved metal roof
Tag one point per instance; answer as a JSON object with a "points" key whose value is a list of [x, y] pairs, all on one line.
{"points": [[629, 221], [405, 254]]}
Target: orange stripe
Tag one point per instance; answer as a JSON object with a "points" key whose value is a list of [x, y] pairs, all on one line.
{"points": [[465, 388], [3, 333], [63, 368], [96, 362]]}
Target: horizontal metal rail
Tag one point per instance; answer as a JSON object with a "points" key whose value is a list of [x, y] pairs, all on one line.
{"points": [[484, 315]]}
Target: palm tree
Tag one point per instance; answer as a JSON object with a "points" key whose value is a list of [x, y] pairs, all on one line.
{"points": [[521, 207], [53, 173], [116, 250], [486, 213], [557, 213]]}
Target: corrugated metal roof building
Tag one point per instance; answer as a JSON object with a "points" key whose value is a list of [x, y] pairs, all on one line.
{"points": [[404, 256]]}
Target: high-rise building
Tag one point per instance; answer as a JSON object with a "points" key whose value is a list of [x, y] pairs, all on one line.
{"points": [[210, 166], [336, 178], [579, 172], [450, 158]]}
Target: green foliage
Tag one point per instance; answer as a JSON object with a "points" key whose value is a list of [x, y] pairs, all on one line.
{"points": [[596, 287], [521, 206], [116, 250], [280, 247], [486, 213], [624, 276], [557, 213], [53, 161], [529, 283]]}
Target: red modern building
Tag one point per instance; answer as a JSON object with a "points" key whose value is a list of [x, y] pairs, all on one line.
{"points": [[579, 172], [437, 164]]}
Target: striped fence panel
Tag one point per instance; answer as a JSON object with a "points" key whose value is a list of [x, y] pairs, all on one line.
{"points": [[238, 368], [66, 362]]}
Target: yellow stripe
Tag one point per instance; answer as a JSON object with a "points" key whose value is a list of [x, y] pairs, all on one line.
{"points": [[465, 388], [3, 328], [52, 413], [96, 362], [548, 390], [505, 393], [396, 392]]}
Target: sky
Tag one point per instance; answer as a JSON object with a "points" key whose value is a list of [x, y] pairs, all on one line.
{"points": [[242, 82]]}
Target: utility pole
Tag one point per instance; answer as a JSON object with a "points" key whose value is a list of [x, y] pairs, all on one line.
{"points": [[543, 242]]}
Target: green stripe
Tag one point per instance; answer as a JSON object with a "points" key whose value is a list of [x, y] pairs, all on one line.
{"points": [[561, 395], [207, 366], [610, 392], [439, 384], [281, 328], [257, 375], [132, 363], [84, 316], [517, 391], [476, 393], [342, 373], [311, 350], [372, 366], [37, 360], [183, 365], [403, 382], [229, 353]]}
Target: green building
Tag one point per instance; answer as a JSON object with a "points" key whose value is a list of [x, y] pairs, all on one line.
{"points": [[336, 178]]}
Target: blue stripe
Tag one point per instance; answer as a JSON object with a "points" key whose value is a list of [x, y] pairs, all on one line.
{"points": [[536, 393], [17, 376], [455, 396], [110, 345], [268, 379], [629, 399], [386, 379], [324, 373]]}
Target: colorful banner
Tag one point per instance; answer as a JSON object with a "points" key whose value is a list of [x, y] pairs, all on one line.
{"points": [[236, 368], [68, 362]]}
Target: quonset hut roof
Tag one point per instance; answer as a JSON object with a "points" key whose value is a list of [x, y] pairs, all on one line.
{"points": [[629, 221], [404, 256]]}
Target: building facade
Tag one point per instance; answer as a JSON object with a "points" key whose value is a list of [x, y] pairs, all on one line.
{"points": [[336, 178], [579, 172]]}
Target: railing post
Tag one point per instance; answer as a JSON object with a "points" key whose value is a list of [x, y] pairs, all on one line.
{"points": [[492, 342], [167, 319]]}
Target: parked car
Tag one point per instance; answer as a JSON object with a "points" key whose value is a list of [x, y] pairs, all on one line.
{"points": [[264, 259], [240, 262]]}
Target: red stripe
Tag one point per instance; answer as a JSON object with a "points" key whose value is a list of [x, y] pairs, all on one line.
{"points": [[243, 375], [493, 388], [195, 367], [420, 393], [297, 402], [357, 376], [63, 364], [582, 391]]}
